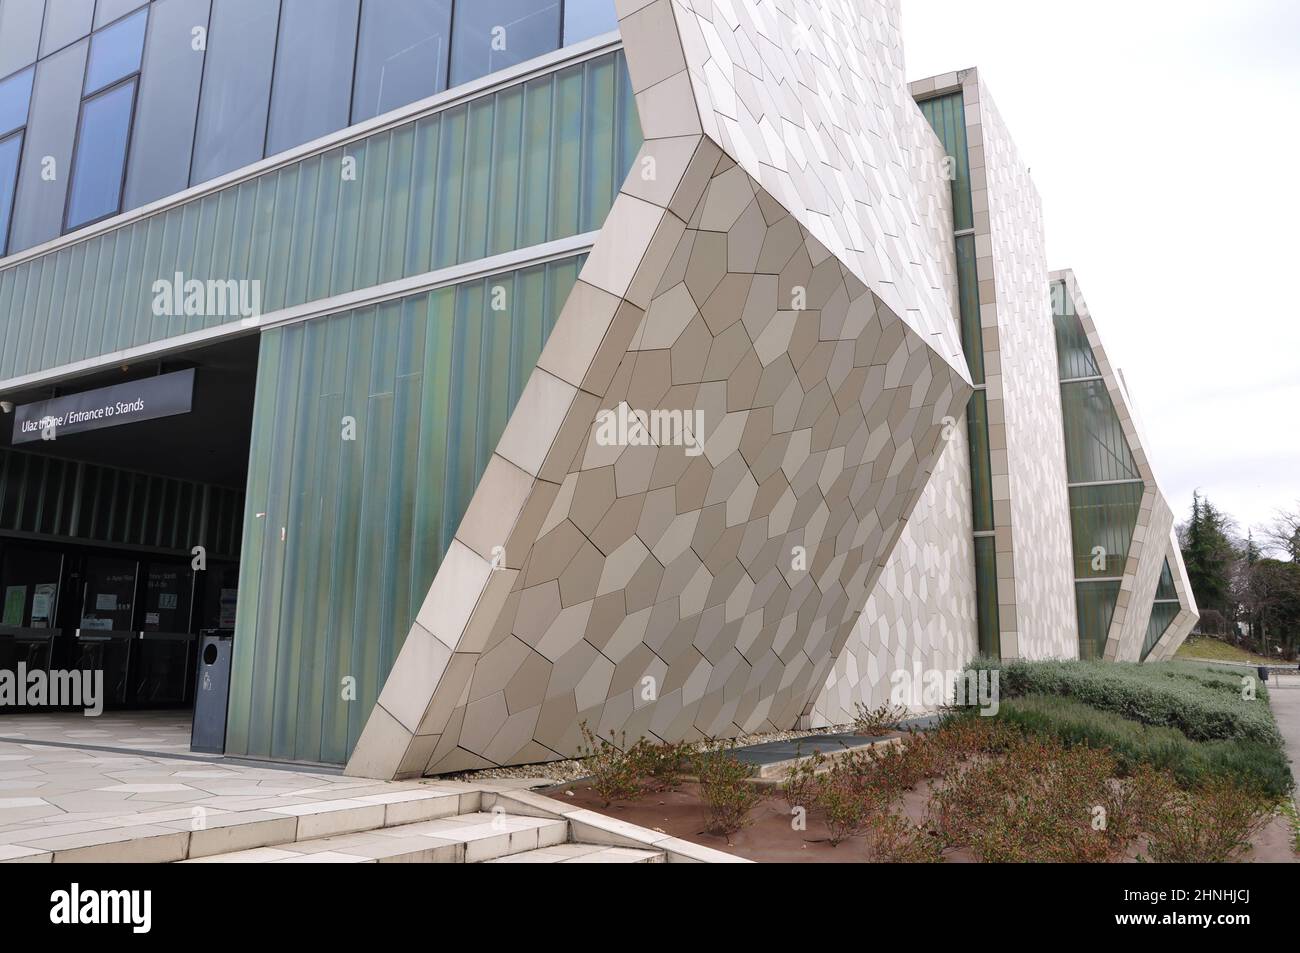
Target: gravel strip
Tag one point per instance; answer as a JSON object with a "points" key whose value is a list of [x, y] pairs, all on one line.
{"points": [[574, 769]]}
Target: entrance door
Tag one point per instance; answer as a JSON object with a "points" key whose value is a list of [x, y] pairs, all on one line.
{"points": [[105, 635], [162, 671]]}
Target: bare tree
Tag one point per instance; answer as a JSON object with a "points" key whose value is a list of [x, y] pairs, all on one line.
{"points": [[1282, 534]]}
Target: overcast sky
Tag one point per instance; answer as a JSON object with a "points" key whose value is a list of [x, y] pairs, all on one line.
{"points": [[1164, 138]]}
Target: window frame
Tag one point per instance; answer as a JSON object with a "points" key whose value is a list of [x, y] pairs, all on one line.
{"points": [[21, 133], [76, 151]]}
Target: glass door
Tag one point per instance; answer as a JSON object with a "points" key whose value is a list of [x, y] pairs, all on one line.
{"points": [[161, 669], [105, 634]]}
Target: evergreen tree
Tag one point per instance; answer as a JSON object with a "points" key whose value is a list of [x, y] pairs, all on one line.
{"points": [[1209, 555]]}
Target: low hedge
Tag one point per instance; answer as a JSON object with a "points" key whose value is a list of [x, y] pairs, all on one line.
{"points": [[1203, 703], [1255, 764]]}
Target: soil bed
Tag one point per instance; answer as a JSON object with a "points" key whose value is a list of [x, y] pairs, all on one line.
{"points": [[770, 838]]}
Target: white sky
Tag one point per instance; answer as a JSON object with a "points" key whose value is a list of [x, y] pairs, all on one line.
{"points": [[1164, 138]]}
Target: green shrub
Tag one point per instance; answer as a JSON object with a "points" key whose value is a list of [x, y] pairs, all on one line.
{"points": [[1039, 802], [878, 721], [800, 787], [614, 776], [725, 789], [1254, 765], [659, 766], [1212, 823], [1204, 703], [893, 839]]}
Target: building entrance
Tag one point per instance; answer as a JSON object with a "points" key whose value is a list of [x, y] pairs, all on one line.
{"points": [[119, 545]]}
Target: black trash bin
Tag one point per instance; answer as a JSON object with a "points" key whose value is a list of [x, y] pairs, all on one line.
{"points": [[1263, 672], [212, 691]]}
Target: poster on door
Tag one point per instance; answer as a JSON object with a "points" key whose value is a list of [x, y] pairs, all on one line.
{"points": [[43, 605], [15, 602]]}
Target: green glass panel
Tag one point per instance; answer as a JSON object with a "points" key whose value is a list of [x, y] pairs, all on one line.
{"points": [[986, 596], [1096, 449], [330, 189], [374, 185], [629, 125], [397, 203], [451, 183], [1102, 519], [478, 179], [598, 152], [301, 230], [539, 100], [968, 302], [1096, 607], [981, 484], [1073, 352], [566, 152], [947, 117], [354, 163], [506, 155], [1162, 617], [354, 529], [424, 167], [1165, 589]]}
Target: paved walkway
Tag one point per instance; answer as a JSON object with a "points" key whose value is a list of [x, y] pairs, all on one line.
{"points": [[67, 781], [1284, 696]]}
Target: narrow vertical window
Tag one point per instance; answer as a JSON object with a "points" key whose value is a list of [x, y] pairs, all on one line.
{"points": [[104, 128]]}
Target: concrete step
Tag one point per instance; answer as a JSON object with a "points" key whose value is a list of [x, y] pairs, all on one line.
{"points": [[584, 854], [460, 839], [166, 837]]}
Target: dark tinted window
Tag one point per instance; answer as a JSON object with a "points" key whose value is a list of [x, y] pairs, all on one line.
{"points": [[115, 52], [51, 127], [10, 150], [236, 87], [584, 19], [312, 90], [20, 33], [15, 95], [101, 152], [168, 101], [402, 54], [66, 21], [492, 34]]}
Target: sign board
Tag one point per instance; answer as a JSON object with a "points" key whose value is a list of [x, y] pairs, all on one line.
{"points": [[146, 399]]}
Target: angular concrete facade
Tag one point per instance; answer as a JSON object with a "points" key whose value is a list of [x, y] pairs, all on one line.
{"points": [[777, 279], [683, 371], [748, 274]]}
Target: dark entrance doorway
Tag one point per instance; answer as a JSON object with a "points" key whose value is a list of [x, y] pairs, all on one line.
{"points": [[99, 570]]}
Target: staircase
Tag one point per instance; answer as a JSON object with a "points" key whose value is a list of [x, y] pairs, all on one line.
{"points": [[467, 825]]}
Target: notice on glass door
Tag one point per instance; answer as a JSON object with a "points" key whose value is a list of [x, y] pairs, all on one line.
{"points": [[15, 602], [43, 604]]}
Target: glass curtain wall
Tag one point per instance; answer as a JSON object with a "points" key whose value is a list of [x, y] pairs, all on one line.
{"points": [[225, 83], [947, 116], [1104, 483], [516, 168], [370, 432]]}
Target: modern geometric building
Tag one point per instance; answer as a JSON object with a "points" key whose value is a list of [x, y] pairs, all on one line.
{"points": [[668, 366]]}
